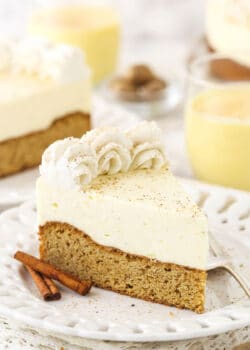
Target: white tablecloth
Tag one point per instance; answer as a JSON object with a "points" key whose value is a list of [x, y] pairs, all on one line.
{"points": [[16, 337]]}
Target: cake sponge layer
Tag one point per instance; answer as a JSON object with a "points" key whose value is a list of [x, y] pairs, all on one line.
{"points": [[76, 253], [26, 151]]}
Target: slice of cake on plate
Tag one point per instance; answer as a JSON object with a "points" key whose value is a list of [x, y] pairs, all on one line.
{"points": [[110, 210], [45, 95]]}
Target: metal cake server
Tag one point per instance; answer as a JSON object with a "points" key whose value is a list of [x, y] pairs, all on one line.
{"points": [[219, 260]]}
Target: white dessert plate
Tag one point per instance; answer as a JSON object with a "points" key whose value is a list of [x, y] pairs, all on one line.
{"points": [[20, 187], [108, 316]]}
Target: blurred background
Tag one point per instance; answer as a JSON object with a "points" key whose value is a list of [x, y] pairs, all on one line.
{"points": [[160, 32]]}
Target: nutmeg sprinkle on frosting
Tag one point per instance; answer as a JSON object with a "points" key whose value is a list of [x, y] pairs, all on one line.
{"points": [[74, 162]]}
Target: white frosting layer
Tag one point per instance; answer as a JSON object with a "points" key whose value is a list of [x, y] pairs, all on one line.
{"points": [[228, 28], [39, 57], [28, 105], [74, 162], [39, 83], [144, 212]]}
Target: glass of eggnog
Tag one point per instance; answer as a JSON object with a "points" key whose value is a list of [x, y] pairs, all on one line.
{"points": [[217, 121]]}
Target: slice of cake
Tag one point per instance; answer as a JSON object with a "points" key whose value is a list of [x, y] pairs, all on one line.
{"points": [[109, 210], [45, 95], [228, 33]]}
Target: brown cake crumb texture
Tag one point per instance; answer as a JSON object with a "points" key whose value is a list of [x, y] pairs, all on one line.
{"points": [[76, 253], [25, 152]]}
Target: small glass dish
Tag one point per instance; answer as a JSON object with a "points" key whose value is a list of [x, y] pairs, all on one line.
{"points": [[147, 108]]}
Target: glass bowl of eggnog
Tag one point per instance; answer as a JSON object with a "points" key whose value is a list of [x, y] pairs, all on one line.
{"points": [[217, 122]]}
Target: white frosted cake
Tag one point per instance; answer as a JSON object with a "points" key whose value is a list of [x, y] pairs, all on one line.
{"points": [[110, 210], [44, 96]]}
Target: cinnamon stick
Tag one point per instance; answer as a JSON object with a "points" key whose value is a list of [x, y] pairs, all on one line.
{"points": [[48, 270], [40, 284], [56, 295]]}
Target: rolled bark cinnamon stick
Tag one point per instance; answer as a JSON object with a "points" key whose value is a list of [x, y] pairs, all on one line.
{"points": [[45, 285], [81, 287], [40, 284], [56, 295]]}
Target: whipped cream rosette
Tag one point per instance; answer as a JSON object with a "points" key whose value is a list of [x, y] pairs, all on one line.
{"points": [[112, 148], [105, 151], [148, 151], [69, 162], [81, 163]]}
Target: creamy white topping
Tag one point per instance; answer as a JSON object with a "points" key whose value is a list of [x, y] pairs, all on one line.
{"points": [[33, 105], [148, 150], [112, 149], [228, 28], [76, 162], [39, 83], [65, 162], [144, 212], [39, 57]]}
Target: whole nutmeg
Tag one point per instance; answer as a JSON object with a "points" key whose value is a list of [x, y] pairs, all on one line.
{"points": [[139, 74], [122, 85], [153, 90], [156, 84], [124, 89]]}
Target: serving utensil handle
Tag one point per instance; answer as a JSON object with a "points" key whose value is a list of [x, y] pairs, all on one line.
{"points": [[238, 278]]}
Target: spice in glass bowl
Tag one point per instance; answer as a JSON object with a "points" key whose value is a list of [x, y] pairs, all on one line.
{"points": [[138, 84]]}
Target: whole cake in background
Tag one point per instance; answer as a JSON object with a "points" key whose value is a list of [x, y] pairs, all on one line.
{"points": [[228, 32], [45, 95], [110, 210]]}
